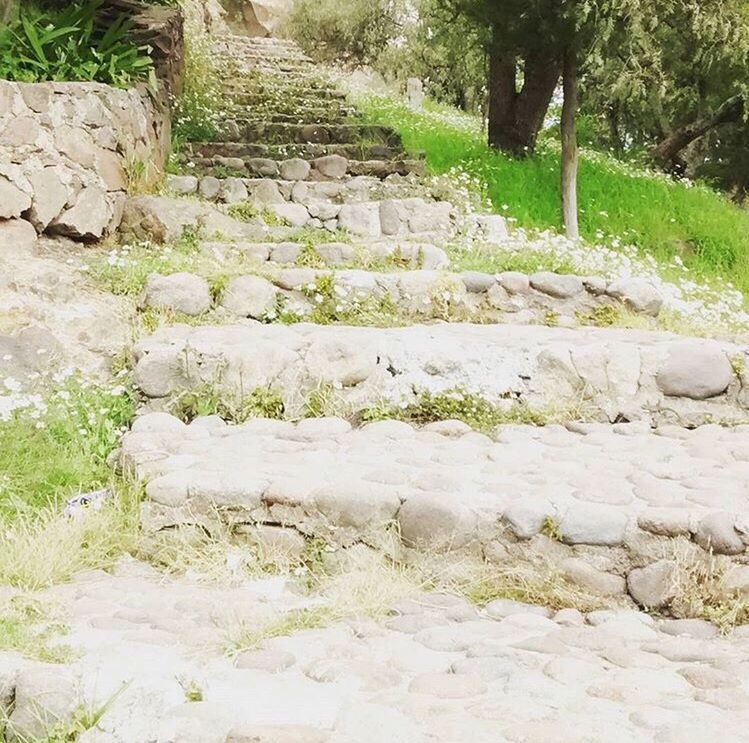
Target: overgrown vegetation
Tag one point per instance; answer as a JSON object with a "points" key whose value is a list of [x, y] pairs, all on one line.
{"points": [[663, 218], [468, 407], [261, 402], [31, 628], [69, 44], [58, 447]]}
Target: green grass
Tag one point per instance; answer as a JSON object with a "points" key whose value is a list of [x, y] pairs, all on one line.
{"points": [[661, 217], [30, 628], [59, 449]]}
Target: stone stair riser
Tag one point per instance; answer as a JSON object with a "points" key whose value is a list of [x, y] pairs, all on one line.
{"points": [[326, 481], [611, 374]]}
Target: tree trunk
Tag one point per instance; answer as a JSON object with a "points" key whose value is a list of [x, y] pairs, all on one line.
{"points": [[516, 117], [569, 146], [666, 154]]}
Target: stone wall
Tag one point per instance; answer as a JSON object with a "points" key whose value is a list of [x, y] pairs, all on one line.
{"points": [[68, 152]]}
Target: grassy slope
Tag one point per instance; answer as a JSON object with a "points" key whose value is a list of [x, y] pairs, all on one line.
{"points": [[663, 218]]}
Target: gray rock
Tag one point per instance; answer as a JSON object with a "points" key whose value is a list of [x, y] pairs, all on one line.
{"points": [[209, 187], [502, 608], [735, 582], [165, 219], [295, 169], [44, 697], [233, 191], [514, 282], [695, 369], [295, 215], [181, 185], [700, 629], [594, 581], [654, 586], [561, 286], [88, 218], [13, 201], [526, 518], [492, 227], [431, 520], [717, 533], [477, 282], [285, 252], [333, 253], [50, 197], [250, 296], [331, 166], [638, 294], [17, 238], [390, 219], [294, 278], [361, 219], [588, 523], [272, 661], [181, 292], [264, 167], [448, 685], [267, 192]]}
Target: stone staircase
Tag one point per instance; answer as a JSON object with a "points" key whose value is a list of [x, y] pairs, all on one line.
{"points": [[365, 339], [278, 106]]}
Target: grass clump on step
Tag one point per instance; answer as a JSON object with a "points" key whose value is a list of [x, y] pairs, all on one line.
{"points": [[30, 628], [262, 402], [663, 218], [468, 407]]}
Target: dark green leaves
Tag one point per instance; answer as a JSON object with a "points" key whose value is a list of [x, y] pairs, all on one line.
{"points": [[69, 44]]}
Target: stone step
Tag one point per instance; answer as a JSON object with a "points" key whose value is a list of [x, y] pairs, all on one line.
{"points": [[326, 115], [292, 150], [300, 182], [257, 43], [341, 168], [385, 297], [267, 133], [614, 509], [243, 92], [608, 374]]}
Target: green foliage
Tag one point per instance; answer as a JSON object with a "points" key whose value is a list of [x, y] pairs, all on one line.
{"points": [[262, 402], [198, 110], [358, 31], [29, 628], [59, 448], [661, 217], [68, 44], [603, 316], [458, 404]]}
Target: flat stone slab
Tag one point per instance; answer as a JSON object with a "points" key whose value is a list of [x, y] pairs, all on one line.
{"points": [[143, 640], [607, 374], [626, 490]]}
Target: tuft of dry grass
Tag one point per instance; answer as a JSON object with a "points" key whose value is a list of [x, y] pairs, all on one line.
{"points": [[700, 588]]}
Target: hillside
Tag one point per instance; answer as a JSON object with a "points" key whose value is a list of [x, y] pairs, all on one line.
{"points": [[620, 203]]}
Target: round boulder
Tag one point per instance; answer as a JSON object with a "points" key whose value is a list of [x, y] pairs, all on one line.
{"points": [[181, 292], [695, 369], [250, 296]]}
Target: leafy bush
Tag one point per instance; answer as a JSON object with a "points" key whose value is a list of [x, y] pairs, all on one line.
{"points": [[68, 44], [358, 30]]}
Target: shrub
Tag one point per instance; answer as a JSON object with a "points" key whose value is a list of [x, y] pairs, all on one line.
{"points": [[358, 30], [67, 44]]}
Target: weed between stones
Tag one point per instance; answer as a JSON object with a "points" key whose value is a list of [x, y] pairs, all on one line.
{"points": [[32, 629], [470, 408], [262, 402]]}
